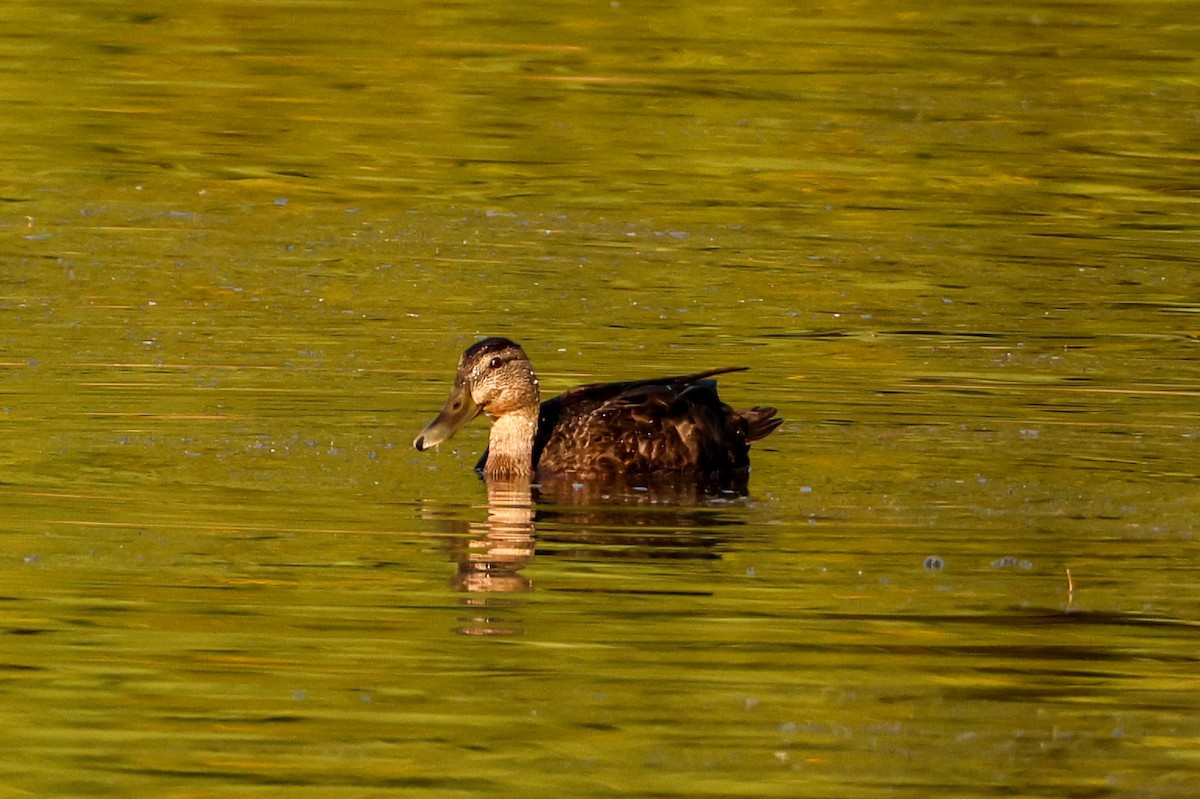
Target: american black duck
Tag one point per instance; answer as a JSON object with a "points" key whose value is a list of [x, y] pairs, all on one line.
{"points": [[640, 427]]}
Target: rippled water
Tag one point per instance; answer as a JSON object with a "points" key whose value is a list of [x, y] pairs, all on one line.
{"points": [[244, 244]]}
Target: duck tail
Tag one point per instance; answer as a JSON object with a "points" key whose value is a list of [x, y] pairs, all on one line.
{"points": [[760, 423]]}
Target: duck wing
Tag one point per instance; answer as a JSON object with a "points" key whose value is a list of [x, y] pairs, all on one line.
{"points": [[667, 424]]}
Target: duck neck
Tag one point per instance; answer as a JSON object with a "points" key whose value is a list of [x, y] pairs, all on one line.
{"points": [[510, 445]]}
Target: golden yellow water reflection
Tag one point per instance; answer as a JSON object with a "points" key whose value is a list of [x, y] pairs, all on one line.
{"points": [[243, 244]]}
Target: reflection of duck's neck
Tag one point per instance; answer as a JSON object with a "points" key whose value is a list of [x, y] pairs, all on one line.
{"points": [[494, 560], [510, 501], [510, 445]]}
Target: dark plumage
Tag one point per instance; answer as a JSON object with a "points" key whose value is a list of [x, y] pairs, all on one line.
{"points": [[655, 426]]}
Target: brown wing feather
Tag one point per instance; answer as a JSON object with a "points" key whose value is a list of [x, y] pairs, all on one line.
{"points": [[643, 426], [585, 395]]}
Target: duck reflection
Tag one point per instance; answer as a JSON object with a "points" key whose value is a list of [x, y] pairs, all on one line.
{"points": [[665, 491], [499, 548], [627, 517]]}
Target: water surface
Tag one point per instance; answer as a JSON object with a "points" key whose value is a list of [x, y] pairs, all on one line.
{"points": [[244, 244]]}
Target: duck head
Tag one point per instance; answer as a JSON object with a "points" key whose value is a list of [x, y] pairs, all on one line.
{"points": [[494, 377]]}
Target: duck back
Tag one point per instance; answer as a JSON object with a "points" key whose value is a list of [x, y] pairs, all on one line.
{"points": [[662, 425]]}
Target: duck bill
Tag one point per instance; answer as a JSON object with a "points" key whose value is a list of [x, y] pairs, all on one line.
{"points": [[459, 410]]}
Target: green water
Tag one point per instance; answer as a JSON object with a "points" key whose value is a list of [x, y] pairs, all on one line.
{"points": [[243, 244]]}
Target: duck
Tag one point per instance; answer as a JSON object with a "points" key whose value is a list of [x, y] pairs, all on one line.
{"points": [[658, 426]]}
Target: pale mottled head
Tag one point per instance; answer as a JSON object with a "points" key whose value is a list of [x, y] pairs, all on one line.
{"points": [[494, 377]]}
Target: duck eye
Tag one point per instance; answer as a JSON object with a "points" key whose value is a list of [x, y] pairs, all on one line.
{"points": [[495, 363]]}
